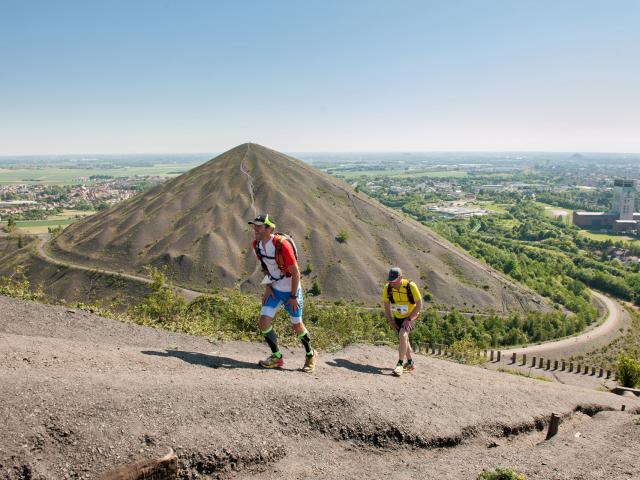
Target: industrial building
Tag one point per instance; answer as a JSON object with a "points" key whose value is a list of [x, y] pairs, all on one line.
{"points": [[621, 218]]}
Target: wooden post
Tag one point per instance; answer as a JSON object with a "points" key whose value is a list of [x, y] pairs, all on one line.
{"points": [[578, 368], [623, 408], [513, 358], [564, 365], [548, 364], [593, 370], [524, 359], [165, 468], [570, 367], [491, 357], [608, 373], [533, 362], [555, 364], [601, 373], [586, 369], [541, 364], [499, 354], [553, 425], [433, 349]]}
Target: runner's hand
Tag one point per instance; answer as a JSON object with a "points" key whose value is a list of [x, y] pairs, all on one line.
{"points": [[294, 304], [408, 325], [268, 293]]}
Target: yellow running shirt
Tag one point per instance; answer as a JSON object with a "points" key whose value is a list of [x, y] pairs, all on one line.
{"points": [[402, 308]]}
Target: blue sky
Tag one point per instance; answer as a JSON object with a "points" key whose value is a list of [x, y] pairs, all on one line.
{"points": [[204, 76]]}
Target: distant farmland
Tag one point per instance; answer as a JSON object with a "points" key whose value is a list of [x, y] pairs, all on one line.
{"points": [[70, 176]]}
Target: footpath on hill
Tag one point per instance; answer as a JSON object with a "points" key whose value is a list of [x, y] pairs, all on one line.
{"points": [[82, 394]]}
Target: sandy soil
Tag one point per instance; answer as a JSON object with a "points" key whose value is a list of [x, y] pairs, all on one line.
{"points": [[82, 394]]}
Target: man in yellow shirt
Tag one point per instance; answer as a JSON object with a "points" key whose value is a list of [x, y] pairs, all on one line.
{"points": [[402, 305]]}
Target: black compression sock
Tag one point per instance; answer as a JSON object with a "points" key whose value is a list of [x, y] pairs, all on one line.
{"points": [[306, 341], [272, 339]]}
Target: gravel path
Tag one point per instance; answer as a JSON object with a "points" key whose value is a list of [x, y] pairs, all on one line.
{"points": [[82, 394]]}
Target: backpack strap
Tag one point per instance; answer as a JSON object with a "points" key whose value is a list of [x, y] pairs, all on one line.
{"points": [[278, 240], [410, 296]]}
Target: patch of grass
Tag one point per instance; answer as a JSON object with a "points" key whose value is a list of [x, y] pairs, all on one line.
{"points": [[342, 236], [519, 373], [501, 473]]}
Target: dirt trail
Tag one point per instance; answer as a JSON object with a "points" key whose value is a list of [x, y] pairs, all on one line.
{"points": [[189, 295], [82, 394]]}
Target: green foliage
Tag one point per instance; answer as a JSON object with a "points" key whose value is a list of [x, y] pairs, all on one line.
{"points": [[467, 351], [55, 231], [163, 305], [17, 285], [501, 473], [628, 371], [342, 236], [11, 225], [315, 289], [308, 269]]}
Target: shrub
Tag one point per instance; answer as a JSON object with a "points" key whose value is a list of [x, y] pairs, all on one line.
{"points": [[315, 289], [17, 285], [628, 371], [342, 237], [309, 269], [467, 351], [501, 473], [162, 305]]}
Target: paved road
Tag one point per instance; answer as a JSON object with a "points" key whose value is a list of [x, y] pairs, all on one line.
{"points": [[616, 318]]}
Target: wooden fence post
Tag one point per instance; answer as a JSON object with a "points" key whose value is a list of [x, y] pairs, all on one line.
{"points": [[553, 425]]}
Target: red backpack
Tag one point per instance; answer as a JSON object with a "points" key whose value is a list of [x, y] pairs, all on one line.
{"points": [[278, 239]]}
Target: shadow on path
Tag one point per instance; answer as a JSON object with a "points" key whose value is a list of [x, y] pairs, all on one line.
{"points": [[210, 361], [358, 367]]}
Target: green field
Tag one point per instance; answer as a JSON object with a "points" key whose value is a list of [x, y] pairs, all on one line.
{"points": [[488, 205], [70, 176], [605, 236], [403, 173], [65, 219]]}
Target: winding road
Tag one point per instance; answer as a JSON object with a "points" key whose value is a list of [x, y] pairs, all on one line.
{"points": [[591, 339]]}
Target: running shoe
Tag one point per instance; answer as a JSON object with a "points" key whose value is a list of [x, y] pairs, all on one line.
{"points": [[271, 362], [409, 367], [398, 370], [310, 363]]}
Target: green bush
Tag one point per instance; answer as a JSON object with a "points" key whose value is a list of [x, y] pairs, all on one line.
{"points": [[342, 237], [628, 371], [501, 473], [17, 285], [466, 351], [315, 289]]}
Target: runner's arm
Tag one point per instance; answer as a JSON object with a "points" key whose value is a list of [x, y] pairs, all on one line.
{"points": [[295, 278]]}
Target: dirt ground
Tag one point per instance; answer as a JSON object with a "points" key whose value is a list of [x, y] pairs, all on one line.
{"points": [[81, 395]]}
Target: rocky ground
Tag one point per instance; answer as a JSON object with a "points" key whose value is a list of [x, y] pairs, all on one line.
{"points": [[81, 394]]}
